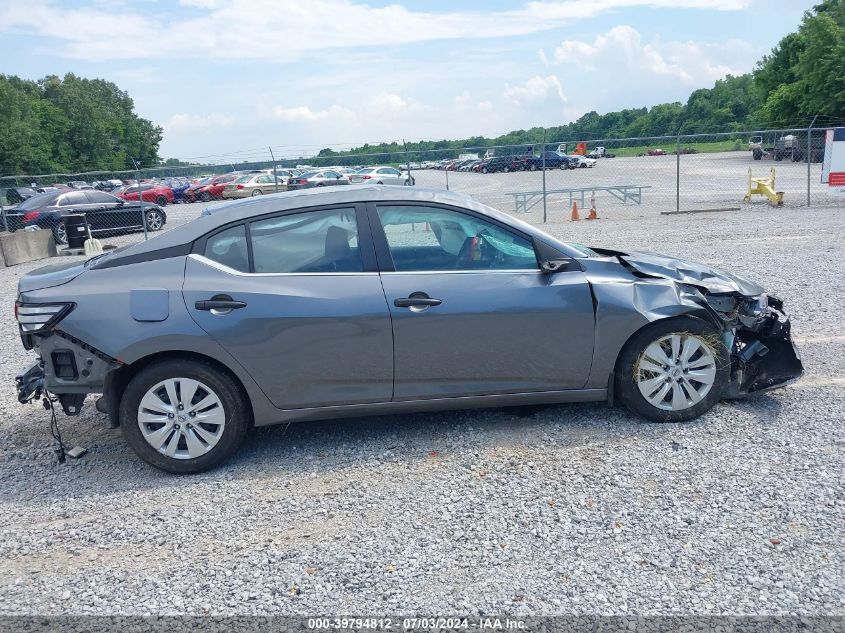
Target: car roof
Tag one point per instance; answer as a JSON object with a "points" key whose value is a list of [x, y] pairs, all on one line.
{"points": [[228, 212]]}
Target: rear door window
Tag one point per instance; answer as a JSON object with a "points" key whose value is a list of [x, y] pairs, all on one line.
{"points": [[229, 248]]}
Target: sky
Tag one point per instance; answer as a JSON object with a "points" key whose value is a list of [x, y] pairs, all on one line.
{"points": [[228, 78]]}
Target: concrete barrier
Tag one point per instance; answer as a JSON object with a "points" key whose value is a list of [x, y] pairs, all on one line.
{"points": [[26, 246]]}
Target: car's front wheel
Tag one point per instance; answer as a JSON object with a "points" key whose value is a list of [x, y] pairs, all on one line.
{"points": [[673, 370], [183, 416]]}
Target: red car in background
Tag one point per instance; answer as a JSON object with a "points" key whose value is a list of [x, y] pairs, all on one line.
{"points": [[150, 192], [211, 189]]}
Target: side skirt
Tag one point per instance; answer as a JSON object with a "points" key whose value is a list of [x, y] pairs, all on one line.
{"points": [[437, 404]]}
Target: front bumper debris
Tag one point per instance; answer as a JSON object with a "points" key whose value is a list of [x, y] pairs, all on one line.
{"points": [[30, 384], [763, 355]]}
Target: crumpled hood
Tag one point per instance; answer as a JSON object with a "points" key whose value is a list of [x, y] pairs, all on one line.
{"points": [[49, 276], [712, 279]]}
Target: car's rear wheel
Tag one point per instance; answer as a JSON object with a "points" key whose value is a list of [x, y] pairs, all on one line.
{"points": [[673, 370], [506, 169], [161, 201], [205, 197], [257, 192], [533, 167], [60, 233], [183, 416], [155, 220]]}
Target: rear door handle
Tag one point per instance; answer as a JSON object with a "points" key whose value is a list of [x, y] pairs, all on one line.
{"points": [[416, 300]]}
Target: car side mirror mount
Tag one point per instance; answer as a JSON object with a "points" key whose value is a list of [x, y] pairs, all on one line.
{"points": [[550, 259]]}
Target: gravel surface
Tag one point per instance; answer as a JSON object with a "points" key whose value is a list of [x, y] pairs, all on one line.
{"points": [[577, 509]]}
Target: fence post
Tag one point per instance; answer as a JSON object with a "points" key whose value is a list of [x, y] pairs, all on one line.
{"points": [[809, 152], [275, 174], [140, 197], [678, 172], [3, 213], [544, 174], [408, 161]]}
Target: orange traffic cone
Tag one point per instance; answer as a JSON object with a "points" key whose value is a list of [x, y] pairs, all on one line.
{"points": [[575, 216]]}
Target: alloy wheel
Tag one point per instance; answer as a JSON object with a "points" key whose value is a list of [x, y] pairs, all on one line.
{"points": [[181, 418], [154, 220], [676, 371], [60, 233]]}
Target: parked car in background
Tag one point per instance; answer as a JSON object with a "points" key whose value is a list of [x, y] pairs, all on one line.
{"points": [[79, 184], [213, 190], [104, 212], [549, 159], [382, 175], [191, 193], [582, 161], [320, 178], [252, 185], [498, 164], [177, 186], [14, 195], [188, 369], [150, 192], [108, 185]]}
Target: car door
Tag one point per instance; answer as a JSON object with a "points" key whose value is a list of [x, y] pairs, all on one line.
{"points": [[472, 312], [302, 309], [106, 212], [389, 176]]}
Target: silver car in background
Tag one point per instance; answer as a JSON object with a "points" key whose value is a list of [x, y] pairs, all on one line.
{"points": [[368, 300], [381, 176], [319, 178]]}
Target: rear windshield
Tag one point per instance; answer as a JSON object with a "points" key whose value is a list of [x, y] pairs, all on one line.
{"points": [[38, 201]]}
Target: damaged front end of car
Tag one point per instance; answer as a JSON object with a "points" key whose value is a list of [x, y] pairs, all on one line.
{"points": [[758, 334], [755, 329]]}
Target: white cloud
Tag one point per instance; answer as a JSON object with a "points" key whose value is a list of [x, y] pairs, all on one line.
{"points": [[534, 90], [228, 29], [304, 113], [388, 102], [690, 62], [194, 122]]}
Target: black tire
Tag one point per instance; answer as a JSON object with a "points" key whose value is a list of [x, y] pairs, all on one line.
{"points": [[256, 192], [532, 167], [161, 201], [205, 197], [235, 406], [506, 169], [629, 393]]}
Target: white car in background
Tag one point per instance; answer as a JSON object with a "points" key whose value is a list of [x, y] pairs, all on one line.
{"points": [[583, 161], [381, 176]]}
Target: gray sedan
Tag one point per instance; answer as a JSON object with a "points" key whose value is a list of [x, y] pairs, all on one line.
{"points": [[368, 300]]}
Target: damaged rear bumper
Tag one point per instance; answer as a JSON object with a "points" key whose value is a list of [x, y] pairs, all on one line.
{"points": [[763, 355]]}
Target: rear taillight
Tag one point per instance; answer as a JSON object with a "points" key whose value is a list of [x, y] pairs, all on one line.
{"points": [[240, 186], [31, 216], [37, 317], [366, 177]]}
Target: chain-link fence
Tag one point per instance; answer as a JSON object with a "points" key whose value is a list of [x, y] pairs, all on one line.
{"points": [[619, 177]]}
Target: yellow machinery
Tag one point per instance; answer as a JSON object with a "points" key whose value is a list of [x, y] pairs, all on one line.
{"points": [[764, 187]]}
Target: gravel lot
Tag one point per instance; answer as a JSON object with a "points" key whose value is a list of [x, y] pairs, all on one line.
{"points": [[577, 509]]}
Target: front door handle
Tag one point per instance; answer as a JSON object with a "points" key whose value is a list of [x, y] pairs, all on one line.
{"points": [[219, 304], [416, 300]]}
